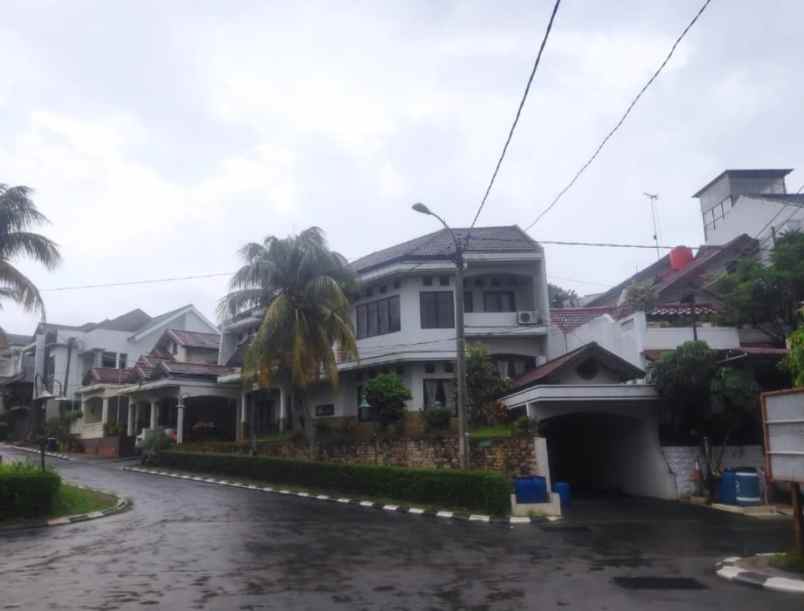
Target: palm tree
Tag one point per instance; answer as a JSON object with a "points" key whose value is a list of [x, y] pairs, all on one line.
{"points": [[18, 214], [305, 291]]}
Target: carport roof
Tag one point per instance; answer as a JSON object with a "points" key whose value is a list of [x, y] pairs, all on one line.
{"points": [[574, 358]]}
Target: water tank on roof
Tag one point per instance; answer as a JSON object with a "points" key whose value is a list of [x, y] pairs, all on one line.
{"points": [[680, 257]]}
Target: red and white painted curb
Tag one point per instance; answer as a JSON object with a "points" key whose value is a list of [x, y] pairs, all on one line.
{"points": [[728, 569]]}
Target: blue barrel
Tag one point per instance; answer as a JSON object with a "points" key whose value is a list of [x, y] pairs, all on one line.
{"points": [[728, 487], [562, 489], [746, 481], [531, 489]]}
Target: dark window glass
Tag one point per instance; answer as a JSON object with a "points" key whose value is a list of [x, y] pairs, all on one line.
{"points": [[437, 310], [443, 280], [448, 367], [383, 289], [427, 281], [372, 319], [429, 367], [468, 302], [440, 393], [397, 284], [108, 359], [378, 317], [499, 301], [122, 360], [322, 411]]}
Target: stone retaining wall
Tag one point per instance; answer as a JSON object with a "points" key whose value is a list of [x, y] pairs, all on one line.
{"points": [[681, 460]]}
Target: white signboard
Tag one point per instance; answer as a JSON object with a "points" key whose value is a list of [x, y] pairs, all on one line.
{"points": [[783, 421]]}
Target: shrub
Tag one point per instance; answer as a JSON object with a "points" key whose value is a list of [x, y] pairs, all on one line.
{"points": [[522, 424], [437, 419], [387, 395], [26, 491], [476, 490]]}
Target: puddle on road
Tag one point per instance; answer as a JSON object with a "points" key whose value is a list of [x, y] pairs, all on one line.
{"points": [[658, 583]]}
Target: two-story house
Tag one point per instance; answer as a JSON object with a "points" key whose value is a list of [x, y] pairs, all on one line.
{"points": [[16, 384], [63, 354], [404, 319]]}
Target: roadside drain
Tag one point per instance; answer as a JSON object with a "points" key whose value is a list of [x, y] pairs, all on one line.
{"points": [[658, 583]]}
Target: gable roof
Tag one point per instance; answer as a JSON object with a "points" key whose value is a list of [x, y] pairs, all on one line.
{"points": [[194, 339], [203, 370], [439, 245], [108, 375], [745, 174], [130, 321], [573, 358], [165, 318], [666, 281]]}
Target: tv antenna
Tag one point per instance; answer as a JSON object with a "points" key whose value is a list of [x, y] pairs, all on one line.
{"points": [[653, 197]]}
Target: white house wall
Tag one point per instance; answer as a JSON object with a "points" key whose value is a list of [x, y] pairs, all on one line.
{"points": [[749, 215]]}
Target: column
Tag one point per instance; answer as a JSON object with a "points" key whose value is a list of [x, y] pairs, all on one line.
{"points": [[241, 426], [154, 413], [283, 408], [180, 421], [105, 411], [132, 408]]}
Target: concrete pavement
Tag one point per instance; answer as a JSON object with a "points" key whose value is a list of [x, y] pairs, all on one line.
{"points": [[189, 545]]}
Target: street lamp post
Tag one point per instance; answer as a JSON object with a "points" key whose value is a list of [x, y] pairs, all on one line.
{"points": [[460, 352], [44, 397]]}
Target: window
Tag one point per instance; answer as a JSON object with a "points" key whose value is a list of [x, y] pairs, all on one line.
{"points": [[499, 301], [427, 281], [443, 280], [378, 317], [122, 360], [437, 310], [468, 302], [108, 359], [448, 367], [440, 393], [397, 284], [322, 411], [383, 289], [429, 368]]}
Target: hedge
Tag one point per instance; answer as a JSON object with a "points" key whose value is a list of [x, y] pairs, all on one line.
{"points": [[476, 490], [26, 491]]}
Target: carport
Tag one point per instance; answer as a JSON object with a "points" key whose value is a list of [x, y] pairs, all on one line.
{"points": [[602, 436]]}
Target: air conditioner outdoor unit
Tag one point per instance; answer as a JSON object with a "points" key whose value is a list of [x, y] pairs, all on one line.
{"points": [[528, 318]]}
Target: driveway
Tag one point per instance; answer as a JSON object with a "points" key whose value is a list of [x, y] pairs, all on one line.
{"points": [[189, 545]]}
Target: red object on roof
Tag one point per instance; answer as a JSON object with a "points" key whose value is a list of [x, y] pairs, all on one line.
{"points": [[680, 257]]}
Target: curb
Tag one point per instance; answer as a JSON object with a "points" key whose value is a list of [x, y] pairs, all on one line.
{"points": [[35, 451], [728, 569], [122, 505], [443, 515]]}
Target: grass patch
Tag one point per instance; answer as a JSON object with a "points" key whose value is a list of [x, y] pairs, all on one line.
{"points": [[71, 500], [788, 562], [497, 431]]}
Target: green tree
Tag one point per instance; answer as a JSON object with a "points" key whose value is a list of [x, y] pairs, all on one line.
{"points": [[304, 290], [484, 385], [641, 297], [562, 298], [766, 297], [794, 362], [387, 395], [18, 215], [683, 378], [734, 394]]}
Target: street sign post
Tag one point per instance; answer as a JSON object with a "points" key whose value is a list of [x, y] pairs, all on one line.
{"points": [[783, 425]]}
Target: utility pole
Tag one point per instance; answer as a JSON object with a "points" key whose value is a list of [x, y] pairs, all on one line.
{"points": [[460, 353], [653, 197]]}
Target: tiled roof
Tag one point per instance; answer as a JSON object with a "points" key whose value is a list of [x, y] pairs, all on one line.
{"points": [[175, 368], [577, 356], [666, 281], [439, 245], [108, 375], [195, 339], [130, 321], [568, 319]]}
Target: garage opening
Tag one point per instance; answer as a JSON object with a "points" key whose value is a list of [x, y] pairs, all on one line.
{"points": [[597, 454]]}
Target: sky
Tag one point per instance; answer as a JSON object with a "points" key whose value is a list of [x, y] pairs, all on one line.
{"points": [[161, 136]]}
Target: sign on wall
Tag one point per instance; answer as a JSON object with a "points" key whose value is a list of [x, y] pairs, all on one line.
{"points": [[783, 423]]}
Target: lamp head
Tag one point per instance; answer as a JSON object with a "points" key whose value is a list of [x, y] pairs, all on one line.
{"points": [[420, 207]]}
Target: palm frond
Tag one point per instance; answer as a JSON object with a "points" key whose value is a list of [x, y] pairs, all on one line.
{"points": [[33, 245], [13, 282]]}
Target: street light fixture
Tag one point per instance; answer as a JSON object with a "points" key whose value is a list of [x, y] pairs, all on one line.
{"points": [[460, 368]]}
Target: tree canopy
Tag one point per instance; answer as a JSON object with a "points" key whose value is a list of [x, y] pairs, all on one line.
{"points": [[562, 298]]}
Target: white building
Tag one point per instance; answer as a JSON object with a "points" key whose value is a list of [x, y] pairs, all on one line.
{"points": [[405, 319], [753, 202], [16, 383], [63, 354]]}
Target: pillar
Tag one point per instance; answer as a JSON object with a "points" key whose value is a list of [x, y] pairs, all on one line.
{"points": [[105, 411], [180, 421], [132, 408], [241, 425], [154, 413], [283, 408]]}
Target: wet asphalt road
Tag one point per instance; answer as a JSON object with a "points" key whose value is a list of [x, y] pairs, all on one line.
{"points": [[189, 545]]}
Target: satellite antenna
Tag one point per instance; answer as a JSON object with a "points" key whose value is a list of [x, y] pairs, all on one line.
{"points": [[653, 197]]}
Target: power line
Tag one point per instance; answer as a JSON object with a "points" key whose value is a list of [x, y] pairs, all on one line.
{"points": [[782, 209], [135, 282], [518, 113], [623, 118], [604, 244]]}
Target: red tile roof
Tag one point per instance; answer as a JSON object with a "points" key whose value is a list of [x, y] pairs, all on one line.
{"points": [[108, 375], [195, 339]]}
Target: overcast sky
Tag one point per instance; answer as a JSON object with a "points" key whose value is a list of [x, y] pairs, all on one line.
{"points": [[160, 136]]}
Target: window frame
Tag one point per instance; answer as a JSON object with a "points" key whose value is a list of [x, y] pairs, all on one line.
{"points": [[498, 294], [434, 320], [447, 382], [369, 317]]}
